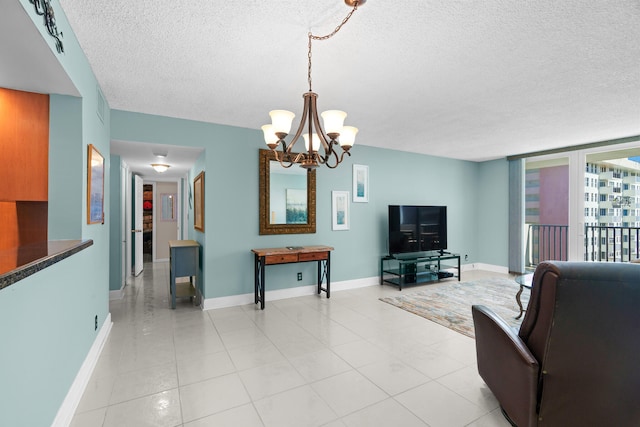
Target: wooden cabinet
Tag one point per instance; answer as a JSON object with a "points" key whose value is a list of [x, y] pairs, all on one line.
{"points": [[184, 259], [24, 146], [24, 167]]}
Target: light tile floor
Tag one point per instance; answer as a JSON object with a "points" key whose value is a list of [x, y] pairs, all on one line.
{"points": [[347, 361]]}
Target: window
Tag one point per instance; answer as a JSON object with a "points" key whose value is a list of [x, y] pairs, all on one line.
{"points": [[603, 197], [603, 212], [586, 211]]}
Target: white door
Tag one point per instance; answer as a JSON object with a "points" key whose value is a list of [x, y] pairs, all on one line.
{"points": [[138, 241]]}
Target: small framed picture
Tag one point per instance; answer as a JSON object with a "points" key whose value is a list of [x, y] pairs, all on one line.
{"points": [[360, 184], [95, 186], [198, 202], [340, 210]]}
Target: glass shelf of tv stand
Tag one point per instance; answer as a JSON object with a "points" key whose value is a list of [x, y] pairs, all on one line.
{"points": [[412, 269]]}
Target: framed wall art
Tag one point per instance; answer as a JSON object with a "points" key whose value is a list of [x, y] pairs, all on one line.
{"points": [[360, 183], [198, 202], [340, 210], [95, 186]]}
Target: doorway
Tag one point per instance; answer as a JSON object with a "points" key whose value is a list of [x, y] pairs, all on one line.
{"points": [[147, 223]]}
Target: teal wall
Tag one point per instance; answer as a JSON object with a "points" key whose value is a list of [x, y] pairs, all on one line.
{"points": [[65, 148], [492, 228], [230, 162], [48, 318]]}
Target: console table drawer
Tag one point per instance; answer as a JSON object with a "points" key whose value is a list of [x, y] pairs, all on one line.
{"points": [[313, 256], [280, 258]]}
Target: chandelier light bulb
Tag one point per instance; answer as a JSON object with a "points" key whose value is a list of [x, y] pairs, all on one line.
{"points": [[270, 136], [333, 121], [281, 120], [348, 136], [315, 141]]}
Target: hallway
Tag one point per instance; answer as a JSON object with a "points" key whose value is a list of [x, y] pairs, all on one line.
{"points": [[308, 361]]}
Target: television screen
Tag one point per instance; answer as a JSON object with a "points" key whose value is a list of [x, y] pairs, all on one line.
{"points": [[417, 228]]}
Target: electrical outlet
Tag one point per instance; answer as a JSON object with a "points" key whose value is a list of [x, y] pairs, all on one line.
{"points": [[96, 323], [299, 276]]}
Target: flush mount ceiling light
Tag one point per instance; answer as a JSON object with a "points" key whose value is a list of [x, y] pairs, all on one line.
{"points": [[159, 167], [334, 133]]}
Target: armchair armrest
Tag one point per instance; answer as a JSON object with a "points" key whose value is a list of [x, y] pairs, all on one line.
{"points": [[507, 366]]}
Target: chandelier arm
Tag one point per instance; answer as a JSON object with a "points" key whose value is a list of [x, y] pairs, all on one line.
{"points": [[338, 161], [320, 132], [281, 159], [302, 121], [299, 157]]}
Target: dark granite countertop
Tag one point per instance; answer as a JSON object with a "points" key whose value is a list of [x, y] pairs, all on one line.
{"points": [[23, 261]]}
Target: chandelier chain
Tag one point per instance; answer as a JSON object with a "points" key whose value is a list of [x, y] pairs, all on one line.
{"points": [[325, 37]]}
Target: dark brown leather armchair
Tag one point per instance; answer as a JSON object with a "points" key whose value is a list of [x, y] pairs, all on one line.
{"points": [[576, 359]]}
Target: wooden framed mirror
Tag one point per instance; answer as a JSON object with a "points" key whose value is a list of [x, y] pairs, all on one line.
{"points": [[287, 197]]}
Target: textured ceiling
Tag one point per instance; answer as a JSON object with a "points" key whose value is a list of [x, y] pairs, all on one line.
{"points": [[467, 79]]}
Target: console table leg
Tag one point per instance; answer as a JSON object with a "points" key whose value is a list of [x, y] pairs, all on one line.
{"points": [[259, 281], [324, 269], [328, 273], [319, 277]]}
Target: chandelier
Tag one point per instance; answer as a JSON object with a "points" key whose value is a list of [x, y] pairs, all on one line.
{"points": [[334, 133]]}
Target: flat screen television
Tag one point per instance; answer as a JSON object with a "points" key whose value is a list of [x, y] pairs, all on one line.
{"points": [[414, 229]]}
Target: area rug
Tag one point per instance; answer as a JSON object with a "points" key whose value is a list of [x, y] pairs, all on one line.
{"points": [[449, 303]]}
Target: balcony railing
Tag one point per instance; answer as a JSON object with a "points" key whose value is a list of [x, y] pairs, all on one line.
{"points": [[611, 244], [546, 242]]}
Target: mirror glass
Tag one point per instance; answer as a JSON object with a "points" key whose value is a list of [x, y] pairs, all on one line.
{"points": [[287, 194], [287, 197], [168, 207]]}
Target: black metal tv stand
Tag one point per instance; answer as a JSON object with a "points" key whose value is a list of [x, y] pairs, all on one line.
{"points": [[402, 270]]}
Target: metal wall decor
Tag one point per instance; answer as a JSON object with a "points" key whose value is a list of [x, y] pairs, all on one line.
{"points": [[44, 8]]}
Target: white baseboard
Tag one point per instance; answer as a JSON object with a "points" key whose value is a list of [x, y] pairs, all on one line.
{"points": [[117, 294], [485, 267], [68, 408], [278, 294]]}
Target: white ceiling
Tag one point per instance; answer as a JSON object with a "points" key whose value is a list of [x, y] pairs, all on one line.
{"points": [[139, 157], [466, 79]]}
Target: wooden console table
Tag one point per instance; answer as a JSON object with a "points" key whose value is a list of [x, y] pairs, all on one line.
{"points": [[184, 259], [288, 255]]}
